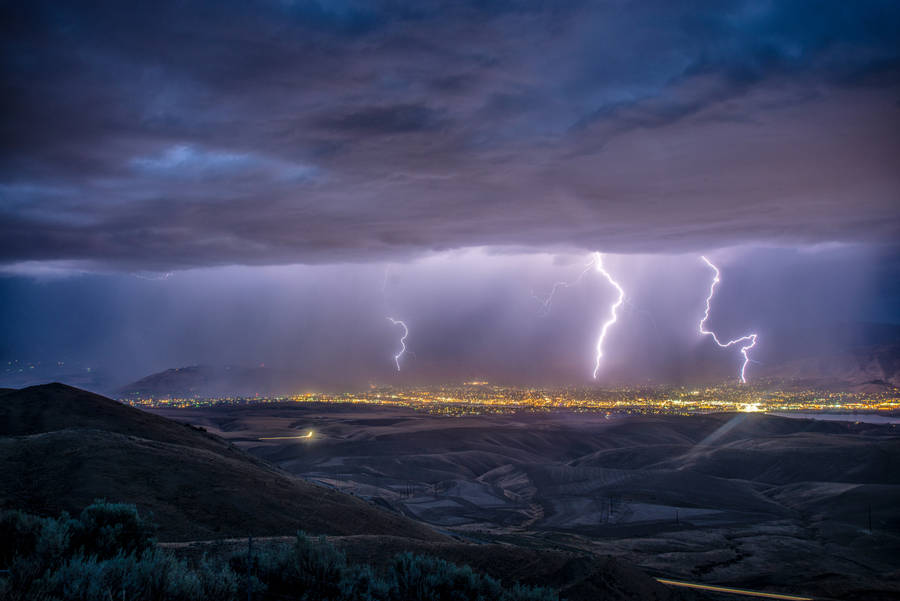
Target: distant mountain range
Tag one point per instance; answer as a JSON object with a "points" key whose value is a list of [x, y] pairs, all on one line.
{"points": [[859, 356], [865, 355], [870, 369], [212, 381]]}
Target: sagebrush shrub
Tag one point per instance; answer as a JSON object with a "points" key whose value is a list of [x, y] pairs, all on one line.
{"points": [[108, 552]]}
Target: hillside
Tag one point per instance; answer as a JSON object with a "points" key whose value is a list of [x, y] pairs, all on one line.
{"points": [[62, 447], [788, 505], [52, 407]]}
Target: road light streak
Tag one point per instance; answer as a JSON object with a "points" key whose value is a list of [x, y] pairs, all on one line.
{"points": [[734, 591], [307, 435]]}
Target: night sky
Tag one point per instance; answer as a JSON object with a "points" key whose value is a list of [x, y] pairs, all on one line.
{"points": [[267, 182]]}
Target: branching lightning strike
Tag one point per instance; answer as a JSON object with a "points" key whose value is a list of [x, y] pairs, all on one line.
{"points": [[548, 300], [598, 264], [155, 276], [402, 340], [749, 338]]}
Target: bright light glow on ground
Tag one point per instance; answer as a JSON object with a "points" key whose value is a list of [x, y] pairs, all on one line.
{"points": [[307, 435]]}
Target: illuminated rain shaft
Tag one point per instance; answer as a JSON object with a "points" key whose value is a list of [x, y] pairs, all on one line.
{"points": [[749, 338], [400, 323], [613, 311]]}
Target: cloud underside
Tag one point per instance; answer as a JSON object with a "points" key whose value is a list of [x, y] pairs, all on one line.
{"points": [[183, 137]]}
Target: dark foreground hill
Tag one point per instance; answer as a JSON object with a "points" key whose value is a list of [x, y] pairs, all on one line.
{"points": [[52, 407], [62, 447]]}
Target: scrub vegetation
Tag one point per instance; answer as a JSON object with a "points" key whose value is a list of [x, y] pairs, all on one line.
{"points": [[109, 552]]}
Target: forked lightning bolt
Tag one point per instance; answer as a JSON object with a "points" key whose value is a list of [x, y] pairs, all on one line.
{"points": [[750, 338], [613, 311], [546, 302], [400, 323]]}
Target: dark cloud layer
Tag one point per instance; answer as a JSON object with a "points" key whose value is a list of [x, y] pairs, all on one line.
{"points": [[168, 135]]}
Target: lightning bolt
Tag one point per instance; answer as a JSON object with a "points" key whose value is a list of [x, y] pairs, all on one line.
{"points": [[384, 283], [597, 262], [155, 276], [749, 338], [548, 300], [400, 323]]}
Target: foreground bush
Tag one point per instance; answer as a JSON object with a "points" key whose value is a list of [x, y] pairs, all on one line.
{"points": [[108, 553], [419, 577]]}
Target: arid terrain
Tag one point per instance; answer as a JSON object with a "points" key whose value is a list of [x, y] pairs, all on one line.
{"points": [[63, 449], [589, 504], [796, 506]]}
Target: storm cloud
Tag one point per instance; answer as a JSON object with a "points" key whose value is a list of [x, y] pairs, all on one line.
{"points": [[171, 135]]}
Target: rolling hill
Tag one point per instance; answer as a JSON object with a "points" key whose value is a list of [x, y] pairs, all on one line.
{"points": [[792, 505], [62, 447]]}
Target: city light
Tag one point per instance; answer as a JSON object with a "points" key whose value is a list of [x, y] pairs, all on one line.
{"points": [[483, 398]]}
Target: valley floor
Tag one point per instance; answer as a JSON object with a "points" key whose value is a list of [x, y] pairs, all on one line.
{"points": [[760, 502]]}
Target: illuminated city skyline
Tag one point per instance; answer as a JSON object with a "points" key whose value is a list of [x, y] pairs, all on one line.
{"points": [[474, 398]]}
